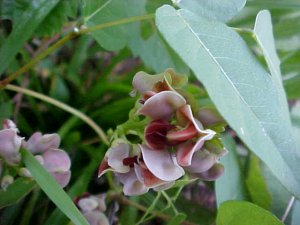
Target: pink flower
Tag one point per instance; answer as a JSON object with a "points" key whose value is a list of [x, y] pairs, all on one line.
{"points": [[10, 143], [92, 207], [39, 143]]}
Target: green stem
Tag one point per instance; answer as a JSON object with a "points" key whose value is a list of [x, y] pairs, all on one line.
{"points": [[67, 38], [62, 106], [170, 202]]}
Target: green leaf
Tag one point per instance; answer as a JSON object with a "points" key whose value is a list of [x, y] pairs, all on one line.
{"points": [[114, 38], [296, 213], [24, 27], [263, 32], [156, 54], [57, 18], [16, 191], [244, 213], [230, 186], [241, 89], [222, 10], [178, 219], [257, 185], [52, 189]]}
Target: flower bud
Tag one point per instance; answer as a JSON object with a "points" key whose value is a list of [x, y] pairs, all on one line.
{"points": [[39, 143], [6, 181], [10, 144]]}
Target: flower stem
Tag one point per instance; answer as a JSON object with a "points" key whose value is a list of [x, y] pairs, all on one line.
{"points": [[67, 38], [62, 106], [165, 217]]}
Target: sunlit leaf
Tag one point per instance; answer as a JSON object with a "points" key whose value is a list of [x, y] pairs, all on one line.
{"points": [[244, 213], [213, 9], [241, 89]]}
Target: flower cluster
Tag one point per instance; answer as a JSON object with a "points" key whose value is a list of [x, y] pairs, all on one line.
{"points": [[174, 139], [92, 207], [44, 147]]}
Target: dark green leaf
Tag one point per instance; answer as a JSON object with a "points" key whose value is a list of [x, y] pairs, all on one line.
{"points": [[176, 220], [114, 38], [24, 27], [16, 191], [256, 184], [52, 189], [244, 213], [241, 89], [230, 186]]}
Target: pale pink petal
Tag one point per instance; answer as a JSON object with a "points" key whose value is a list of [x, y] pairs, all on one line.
{"points": [[10, 144], [56, 160], [162, 164], [131, 184], [39, 143], [212, 174], [146, 177], [116, 156], [201, 161], [96, 218], [63, 178], [87, 204], [143, 82], [185, 151], [164, 186], [162, 105]]}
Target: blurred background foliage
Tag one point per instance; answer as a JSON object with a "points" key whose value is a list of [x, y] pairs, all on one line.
{"points": [[93, 74]]}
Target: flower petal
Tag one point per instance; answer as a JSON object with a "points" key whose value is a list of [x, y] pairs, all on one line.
{"points": [[10, 144], [146, 177], [162, 164], [56, 160], [63, 178], [162, 105], [96, 218], [39, 143], [143, 82], [185, 151], [213, 173], [132, 185], [201, 161], [116, 155]]}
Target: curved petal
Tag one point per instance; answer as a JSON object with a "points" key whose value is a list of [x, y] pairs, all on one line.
{"points": [[56, 160], [146, 177], [96, 218], [10, 144], [87, 204], [161, 164], [185, 151], [132, 186], [213, 173], [201, 161], [116, 155], [63, 178], [162, 105], [143, 82], [39, 143]]}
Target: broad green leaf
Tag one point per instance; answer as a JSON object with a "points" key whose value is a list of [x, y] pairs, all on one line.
{"points": [[257, 185], [263, 32], [244, 213], [156, 54], [230, 186], [16, 191], [222, 10], [114, 38], [48, 184], [243, 92], [177, 220], [24, 27], [296, 213]]}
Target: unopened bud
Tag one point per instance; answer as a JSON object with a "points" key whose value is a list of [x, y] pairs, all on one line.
{"points": [[6, 181]]}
